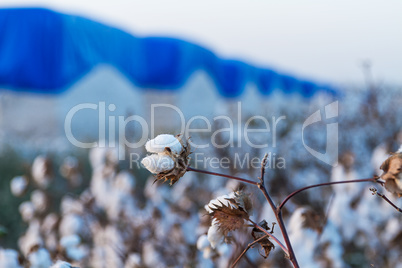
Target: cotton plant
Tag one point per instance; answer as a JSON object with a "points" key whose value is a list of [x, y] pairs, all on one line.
{"points": [[169, 160]]}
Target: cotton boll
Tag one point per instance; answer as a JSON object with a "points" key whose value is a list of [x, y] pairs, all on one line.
{"points": [[133, 261], [215, 236], [158, 163], [9, 259], [31, 238], [70, 170], [41, 171], [49, 223], [100, 157], [18, 185], [162, 141], [202, 242], [70, 241], [77, 253], [71, 224], [40, 259], [124, 182], [70, 205], [39, 200], [61, 264], [151, 256], [27, 211]]}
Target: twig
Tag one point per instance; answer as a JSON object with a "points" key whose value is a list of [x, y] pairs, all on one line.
{"points": [[246, 249], [322, 184], [278, 214], [221, 175], [375, 192]]}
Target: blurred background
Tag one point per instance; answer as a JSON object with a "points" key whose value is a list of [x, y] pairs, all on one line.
{"points": [[85, 67]]}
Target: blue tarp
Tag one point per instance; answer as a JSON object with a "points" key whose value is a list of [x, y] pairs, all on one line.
{"points": [[46, 52]]}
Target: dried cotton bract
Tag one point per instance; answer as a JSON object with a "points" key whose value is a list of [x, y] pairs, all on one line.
{"points": [[169, 158], [228, 214]]}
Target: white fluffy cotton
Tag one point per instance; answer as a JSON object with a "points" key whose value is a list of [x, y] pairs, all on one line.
{"points": [[156, 163], [61, 264], [219, 202], [162, 141], [215, 236], [39, 200], [9, 259], [40, 259], [27, 211], [18, 185]]}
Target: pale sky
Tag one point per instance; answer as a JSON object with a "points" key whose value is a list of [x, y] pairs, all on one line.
{"points": [[320, 40]]}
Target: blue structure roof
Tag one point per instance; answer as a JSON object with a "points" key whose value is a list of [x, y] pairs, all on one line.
{"points": [[45, 51]]}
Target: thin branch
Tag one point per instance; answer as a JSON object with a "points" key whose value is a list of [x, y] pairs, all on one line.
{"points": [[323, 184], [375, 192], [221, 175], [246, 249], [271, 236], [263, 164], [278, 215]]}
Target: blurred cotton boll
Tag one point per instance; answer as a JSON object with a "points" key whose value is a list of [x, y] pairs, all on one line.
{"points": [[42, 171], [70, 241], [61, 264], [204, 246], [18, 185], [40, 259], [39, 200], [70, 170], [31, 239], [133, 261], [71, 245], [9, 258], [156, 163], [69, 205], [124, 182], [99, 157], [71, 224], [27, 211], [162, 141]]}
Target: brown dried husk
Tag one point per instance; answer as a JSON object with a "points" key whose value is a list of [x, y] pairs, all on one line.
{"points": [[265, 243]]}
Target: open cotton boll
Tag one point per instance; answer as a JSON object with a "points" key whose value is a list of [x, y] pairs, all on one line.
{"points": [[162, 141], [219, 202], [18, 185], [156, 163]]}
